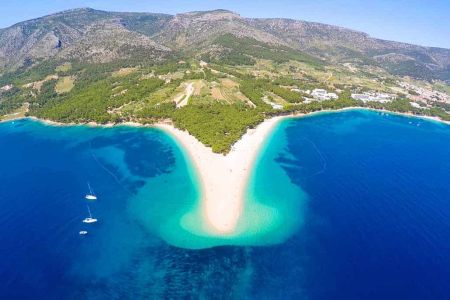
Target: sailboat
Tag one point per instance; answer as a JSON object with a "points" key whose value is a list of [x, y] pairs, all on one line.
{"points": [[83, 232], [90, 219], [91, 195]]}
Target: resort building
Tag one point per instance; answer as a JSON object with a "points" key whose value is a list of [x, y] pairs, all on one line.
{"points": [[316, 95], [321, 94], [374, 97]]}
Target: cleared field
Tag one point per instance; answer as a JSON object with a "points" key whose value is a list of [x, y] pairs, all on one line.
{"points": [[64, 84], [228, 83], [216, 93], [123, 72], [227, 90], [198, 86]]}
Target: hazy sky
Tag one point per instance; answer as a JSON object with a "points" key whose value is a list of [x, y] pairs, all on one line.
{"points": [[425, 22]]}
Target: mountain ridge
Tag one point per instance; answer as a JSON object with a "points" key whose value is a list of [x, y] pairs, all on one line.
{"points": [[91, 10], [73, 34]]}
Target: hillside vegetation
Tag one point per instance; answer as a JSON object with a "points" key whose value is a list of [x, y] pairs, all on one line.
{"points": [[216, 84]]}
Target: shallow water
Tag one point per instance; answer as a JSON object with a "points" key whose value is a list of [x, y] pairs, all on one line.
{"points": [[363, 199]]}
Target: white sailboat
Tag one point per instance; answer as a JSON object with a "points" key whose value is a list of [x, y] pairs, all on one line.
{"points": [[83, 232], [90, 219], [91, 195]]}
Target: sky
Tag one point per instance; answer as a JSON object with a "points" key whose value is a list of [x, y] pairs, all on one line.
{"points": [[422, 22]]}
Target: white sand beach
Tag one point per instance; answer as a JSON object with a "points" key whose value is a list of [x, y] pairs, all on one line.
{"points": [[224, 178]]}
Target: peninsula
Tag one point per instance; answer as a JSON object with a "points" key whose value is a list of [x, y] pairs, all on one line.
{"points": [[224, 177]]}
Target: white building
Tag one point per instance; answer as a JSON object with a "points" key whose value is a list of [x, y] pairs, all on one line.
{"points": [[374, 97], [321, 94]]}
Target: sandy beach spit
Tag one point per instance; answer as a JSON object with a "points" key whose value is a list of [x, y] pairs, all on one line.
{"points": [[223, 177]]}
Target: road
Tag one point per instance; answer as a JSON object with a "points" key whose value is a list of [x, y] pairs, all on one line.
{"points": [[188, 93]]}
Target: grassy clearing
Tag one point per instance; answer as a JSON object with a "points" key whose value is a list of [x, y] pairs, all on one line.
{"points": [[123, 72], [228, 83], [65, 84], [198, 86]]}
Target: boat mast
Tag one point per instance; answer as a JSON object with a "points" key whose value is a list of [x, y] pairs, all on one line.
{"points": [[89, 210], [90, 190]]}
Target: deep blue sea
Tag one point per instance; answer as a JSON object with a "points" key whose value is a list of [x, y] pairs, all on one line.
{"points": [[374, 221]]}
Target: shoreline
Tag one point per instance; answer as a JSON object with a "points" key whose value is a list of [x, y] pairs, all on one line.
{"points": [[224, 178], [287, 115]]}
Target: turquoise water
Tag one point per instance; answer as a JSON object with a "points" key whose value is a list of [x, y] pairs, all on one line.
{"points": [[177, 217], [273, 208], [357, 205]]}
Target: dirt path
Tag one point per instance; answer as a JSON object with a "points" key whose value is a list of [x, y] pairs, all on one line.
{"points": [[184, 101]]}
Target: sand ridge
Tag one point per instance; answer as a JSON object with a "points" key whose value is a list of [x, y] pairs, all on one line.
{"points": [[223, 177]]}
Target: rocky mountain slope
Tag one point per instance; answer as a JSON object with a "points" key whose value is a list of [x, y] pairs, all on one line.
{"points": [[338, 44], [76, 34], [98, 36]]}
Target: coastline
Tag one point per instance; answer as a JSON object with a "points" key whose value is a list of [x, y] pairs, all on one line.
{"points": [[224, 177], [288, 115], [409, 115]]}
